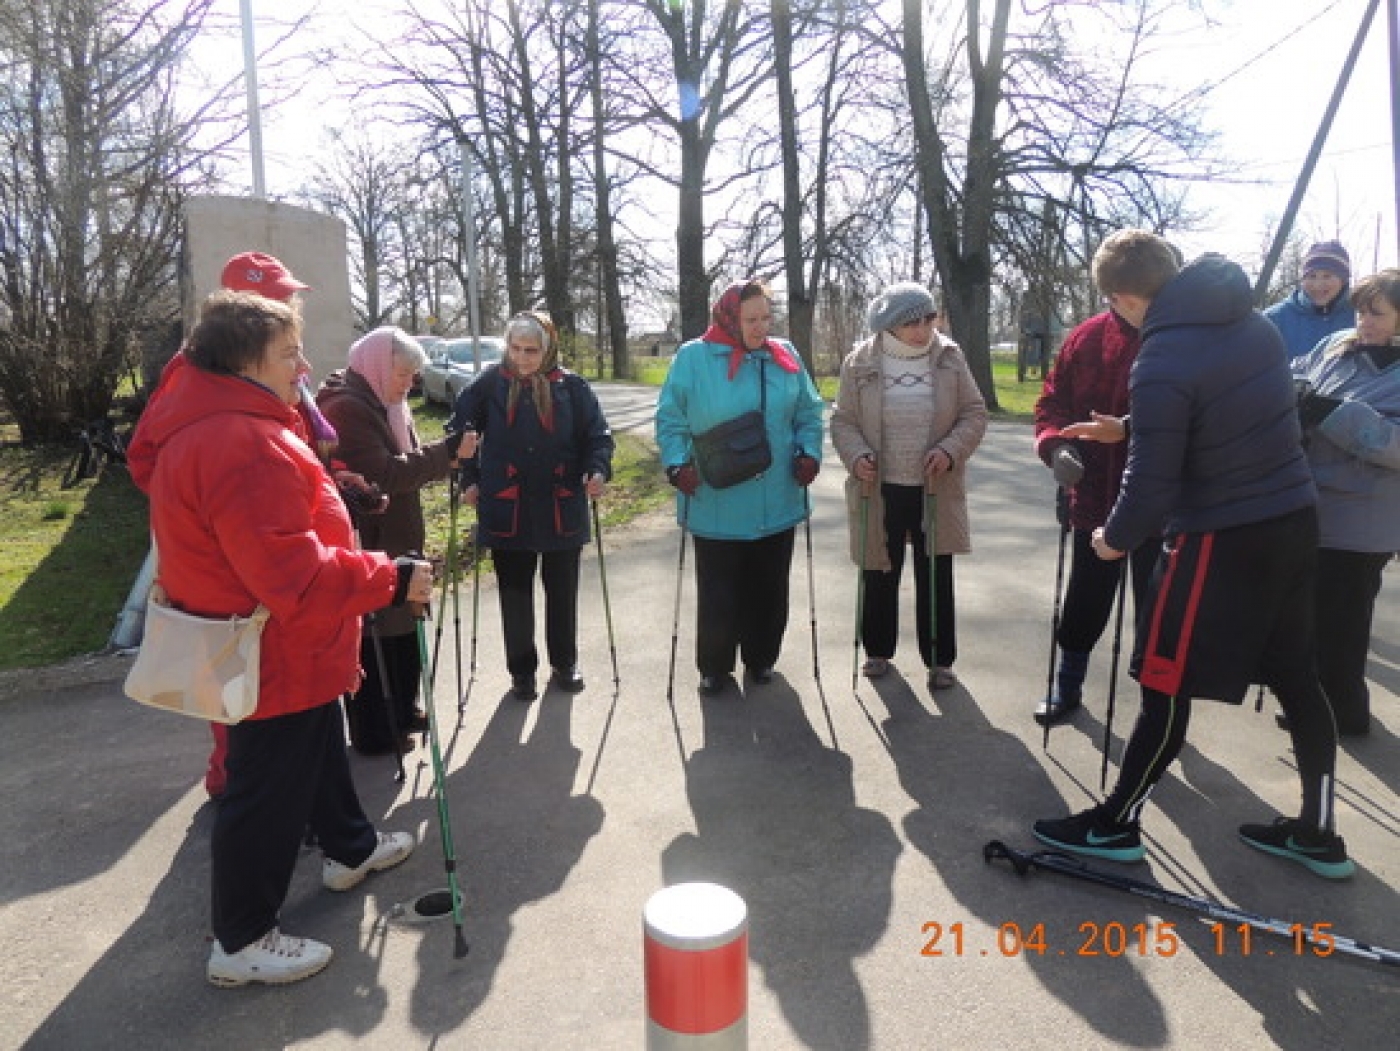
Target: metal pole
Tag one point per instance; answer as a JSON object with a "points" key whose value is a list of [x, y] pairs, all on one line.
{"points": [[1394, 20], [469, 235], [1285, 226], [250, 77]]}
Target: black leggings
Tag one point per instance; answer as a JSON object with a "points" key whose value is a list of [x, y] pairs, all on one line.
{"points": [[1160, 732]]}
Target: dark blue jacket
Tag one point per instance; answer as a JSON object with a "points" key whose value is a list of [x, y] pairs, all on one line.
{"points": [[1215, 440], [530, 494]]}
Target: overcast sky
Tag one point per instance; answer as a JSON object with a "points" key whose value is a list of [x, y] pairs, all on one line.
{"points": [[1278, 60]]}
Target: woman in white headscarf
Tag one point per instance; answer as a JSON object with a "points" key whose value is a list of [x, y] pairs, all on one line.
{"points": [[368, 405]]}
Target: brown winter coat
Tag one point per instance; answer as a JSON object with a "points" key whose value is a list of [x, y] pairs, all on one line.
{"points": [[366, 446], [957, 422]]}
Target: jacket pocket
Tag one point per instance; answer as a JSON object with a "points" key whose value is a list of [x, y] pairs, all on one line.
{"points": [[500, 512]]}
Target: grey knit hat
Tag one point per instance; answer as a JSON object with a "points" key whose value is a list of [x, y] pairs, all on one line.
{"points": [[900, 304]]}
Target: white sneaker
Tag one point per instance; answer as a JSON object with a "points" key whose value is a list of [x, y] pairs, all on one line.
{"points": [[392, 849], [275, 959]]}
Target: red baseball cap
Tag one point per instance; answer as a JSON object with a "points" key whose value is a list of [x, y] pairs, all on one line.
{"points": [[263, 274]]}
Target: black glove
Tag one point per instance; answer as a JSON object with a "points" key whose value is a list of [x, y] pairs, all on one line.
{"points": [[684, 477], [358, 501], [1314, 408], [1067, 466], [804, 469]]}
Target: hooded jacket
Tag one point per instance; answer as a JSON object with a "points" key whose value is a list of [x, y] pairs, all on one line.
{"points": [[1304, 325], [243, 513], [1215, 440]]}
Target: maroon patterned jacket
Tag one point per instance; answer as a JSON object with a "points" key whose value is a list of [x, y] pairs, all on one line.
{"points": [[1090, 373]]}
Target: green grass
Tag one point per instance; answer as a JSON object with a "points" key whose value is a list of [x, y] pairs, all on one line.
{"points": [[1016, 400], [67, 556]]}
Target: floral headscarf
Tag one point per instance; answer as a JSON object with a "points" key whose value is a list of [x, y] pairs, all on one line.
{"points": [[539, 381], [724, 329]]}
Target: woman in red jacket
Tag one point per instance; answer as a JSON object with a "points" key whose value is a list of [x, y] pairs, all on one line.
{"points": [[244, 513]]}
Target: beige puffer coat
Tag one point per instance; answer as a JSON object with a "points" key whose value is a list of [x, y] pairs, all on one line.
{"points": [[957, 422]]}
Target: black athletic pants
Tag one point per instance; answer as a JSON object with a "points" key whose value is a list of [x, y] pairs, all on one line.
{"points": [[1347, 585], [879, 630], [1226, 609], [285, 775], [1092, 588], [515, 574], [742, 600]]}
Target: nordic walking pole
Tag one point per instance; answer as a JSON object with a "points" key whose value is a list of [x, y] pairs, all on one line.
{"points": [[860, 582], [811, 581], [449, 854], [1317, 935], [603, 576], [676, 616], [386, 693], [1113, 670], [1062, 514], [453, 501]]}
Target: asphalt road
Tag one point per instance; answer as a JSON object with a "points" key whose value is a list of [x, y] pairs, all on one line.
{"points": [[851, 820]]}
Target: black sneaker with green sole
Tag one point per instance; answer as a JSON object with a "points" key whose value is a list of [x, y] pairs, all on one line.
{"points": [[1319, 851], [1093, 834]]}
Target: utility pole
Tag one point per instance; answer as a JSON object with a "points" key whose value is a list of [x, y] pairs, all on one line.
{"points": [[1394, 20], [1285, 226], [250, 78], [469, 235]]}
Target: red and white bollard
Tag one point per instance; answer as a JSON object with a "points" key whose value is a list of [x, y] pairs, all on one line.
{"points": [[697, 969]]}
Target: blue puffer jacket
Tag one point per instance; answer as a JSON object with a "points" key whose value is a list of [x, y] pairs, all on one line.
{"points": [[1215, 437], [1304, 325], [697, 395], [1355, 451]]}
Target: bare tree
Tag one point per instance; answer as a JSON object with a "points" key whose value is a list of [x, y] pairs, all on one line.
{"points": [[98, 156], [1012, 119], [363, 183], [716, 61]]}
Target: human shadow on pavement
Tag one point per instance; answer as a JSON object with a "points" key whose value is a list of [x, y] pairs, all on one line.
{"points": [[519, 830], [974, 783], [148, 988], [71, 812], [1303, 1000], [777, 822]]}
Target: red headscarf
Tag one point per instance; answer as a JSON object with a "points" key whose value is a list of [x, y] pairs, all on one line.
{"points": [[724, 329]]}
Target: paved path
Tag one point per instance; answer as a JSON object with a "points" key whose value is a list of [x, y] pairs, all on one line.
{"points": [[850, 821]]}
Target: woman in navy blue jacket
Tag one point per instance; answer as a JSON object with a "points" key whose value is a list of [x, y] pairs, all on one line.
{"points": [[545, 450]]}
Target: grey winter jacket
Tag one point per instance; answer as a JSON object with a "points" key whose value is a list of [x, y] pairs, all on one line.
{"points": [[1355, 452]]}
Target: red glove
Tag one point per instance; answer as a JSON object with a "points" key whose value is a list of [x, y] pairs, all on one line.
{"points": [[804, 469], [685, 478]]}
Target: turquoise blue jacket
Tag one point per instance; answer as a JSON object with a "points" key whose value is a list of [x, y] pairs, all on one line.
{"points": [[697, 395]]}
